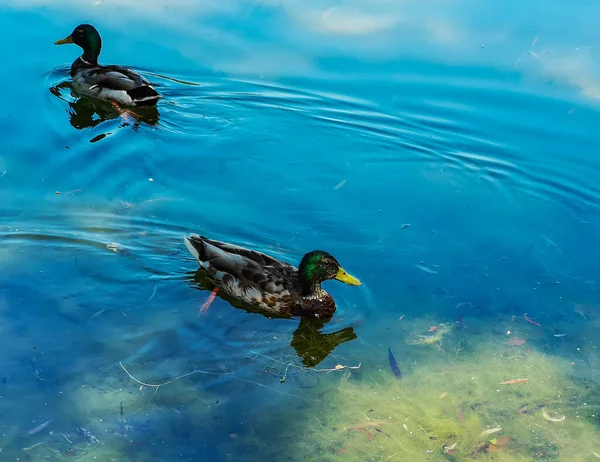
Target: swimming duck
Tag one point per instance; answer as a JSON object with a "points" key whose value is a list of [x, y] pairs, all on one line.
{"points": [[266, 283], [111, 83]]}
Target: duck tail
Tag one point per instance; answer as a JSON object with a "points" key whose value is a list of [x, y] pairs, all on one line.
{"points": [[144, 95], [196, 247]]}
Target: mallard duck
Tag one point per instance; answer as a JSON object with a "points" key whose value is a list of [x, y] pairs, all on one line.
{"points": [[268, 284], [111, 83]]}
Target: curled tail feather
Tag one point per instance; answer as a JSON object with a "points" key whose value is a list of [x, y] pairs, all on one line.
{"points": [[144, 95]]}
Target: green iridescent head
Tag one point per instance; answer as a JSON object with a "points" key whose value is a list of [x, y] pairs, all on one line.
{"points": [[87, 37], [318, 266]]}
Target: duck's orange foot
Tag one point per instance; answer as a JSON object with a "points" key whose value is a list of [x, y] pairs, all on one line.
{"points": [[208, 301], [126, 114]]}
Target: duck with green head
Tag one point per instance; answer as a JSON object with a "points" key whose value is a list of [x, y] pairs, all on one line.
{"points": [[268, 284], [111, 83]]}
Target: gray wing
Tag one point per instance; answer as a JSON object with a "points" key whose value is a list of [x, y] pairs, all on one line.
{"points": [[114, 78], [251, 268]]}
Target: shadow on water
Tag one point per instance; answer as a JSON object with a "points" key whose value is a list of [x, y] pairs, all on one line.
{"points": [[308, 340], [85, 112]]}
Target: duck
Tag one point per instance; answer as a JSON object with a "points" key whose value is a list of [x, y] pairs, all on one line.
{"points": [[267, 284], [115, 84]]}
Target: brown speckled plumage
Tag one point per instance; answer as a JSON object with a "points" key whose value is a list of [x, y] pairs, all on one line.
{"points": [[268, 284]]}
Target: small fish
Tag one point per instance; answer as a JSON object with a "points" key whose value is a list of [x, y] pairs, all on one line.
{"points": [[340, 184], [530, 321], [432, 329], [381, 431], [404, 226], [36, 372], [552, 419], [515, 341], [426, 270], [39, 428], [515, 381], [490, 431], [85, 432], [98, 313], [394, 364], [559, 335]]}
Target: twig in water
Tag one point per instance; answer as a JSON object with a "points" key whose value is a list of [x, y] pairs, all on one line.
{"points": [[285, 373], [153, 294], [67, 438], [274, 389], [157, 386]]}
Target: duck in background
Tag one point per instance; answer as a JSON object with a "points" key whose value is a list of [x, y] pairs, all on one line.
{"points": [[111, 83]]}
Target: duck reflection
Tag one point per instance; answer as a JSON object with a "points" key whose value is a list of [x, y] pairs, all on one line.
{"points": [[310, 343], [86, 112]]}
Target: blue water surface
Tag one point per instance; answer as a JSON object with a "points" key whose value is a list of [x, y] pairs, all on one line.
{"points": [[444, 152]]}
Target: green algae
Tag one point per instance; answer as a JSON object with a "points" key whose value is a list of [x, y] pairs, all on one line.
{"points": [[452, 405]]}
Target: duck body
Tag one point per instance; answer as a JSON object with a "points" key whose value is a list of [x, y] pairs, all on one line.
{"points": [[267, 284], [110, 83], [113, 83]]}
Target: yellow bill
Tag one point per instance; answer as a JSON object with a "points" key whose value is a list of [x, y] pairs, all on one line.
{"points": [[347, 278], [68, 39]]}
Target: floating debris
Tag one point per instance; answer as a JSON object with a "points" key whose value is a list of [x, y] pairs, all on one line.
{"points": [[394, 364]]}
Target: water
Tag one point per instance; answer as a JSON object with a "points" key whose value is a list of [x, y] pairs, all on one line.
{"points": [[284, 127]]}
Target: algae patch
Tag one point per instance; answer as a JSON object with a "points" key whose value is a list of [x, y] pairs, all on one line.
{"points": [[453, 407]]}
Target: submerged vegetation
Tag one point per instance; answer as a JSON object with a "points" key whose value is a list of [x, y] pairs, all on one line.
{"points": [[499, 389], [465, 398]]}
